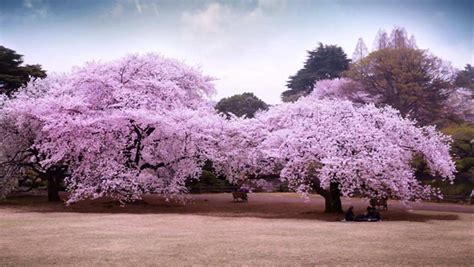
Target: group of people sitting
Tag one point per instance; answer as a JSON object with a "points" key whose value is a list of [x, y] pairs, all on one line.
{"points": [[372, 215]]}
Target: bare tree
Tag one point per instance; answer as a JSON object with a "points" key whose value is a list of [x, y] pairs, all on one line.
{"points": [[381, 40], [360, 51]]}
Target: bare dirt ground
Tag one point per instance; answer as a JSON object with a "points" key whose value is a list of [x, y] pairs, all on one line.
{"points": [[271, 229]]}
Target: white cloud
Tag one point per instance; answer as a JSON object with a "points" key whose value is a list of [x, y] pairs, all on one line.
{"points": [[42, 12], [116, 10], [220, 17], [208, 20], [155, 8], [130, 8], [138, 6], [271, 5], [28, 3], [36, 7]]}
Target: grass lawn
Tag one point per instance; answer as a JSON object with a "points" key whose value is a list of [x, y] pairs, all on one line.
{"points": [[271, 229]]}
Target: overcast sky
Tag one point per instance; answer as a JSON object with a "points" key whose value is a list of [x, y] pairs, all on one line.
{"points": [[248, 45]]}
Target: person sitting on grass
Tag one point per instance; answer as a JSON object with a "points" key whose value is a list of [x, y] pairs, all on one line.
{"points": [[349, 216], [372, 214], [377, 215]]}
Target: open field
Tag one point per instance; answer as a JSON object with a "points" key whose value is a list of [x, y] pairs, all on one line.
{"points": [[271, 229]]}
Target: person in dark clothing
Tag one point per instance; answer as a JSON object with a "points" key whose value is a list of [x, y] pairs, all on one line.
{"points": [[377, 215], [372, 214], [349, 216]]}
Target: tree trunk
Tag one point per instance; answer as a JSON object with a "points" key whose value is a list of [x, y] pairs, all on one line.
{"points": [[55, 175], [327, 203], [53, 188], [332, 197], [336, 198]]}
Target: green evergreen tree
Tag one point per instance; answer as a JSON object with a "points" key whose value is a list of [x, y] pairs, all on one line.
{"points": [[12, 74], [243, 104], [465, 78], [324, 62]]}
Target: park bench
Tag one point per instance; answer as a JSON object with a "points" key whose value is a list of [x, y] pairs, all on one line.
{"points": [[379, 202], [240, 195]]}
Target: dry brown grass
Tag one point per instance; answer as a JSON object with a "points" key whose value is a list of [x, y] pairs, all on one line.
{"points": [[271, 229]]}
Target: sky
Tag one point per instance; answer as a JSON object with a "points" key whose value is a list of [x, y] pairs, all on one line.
{"points": [[247, 45]]}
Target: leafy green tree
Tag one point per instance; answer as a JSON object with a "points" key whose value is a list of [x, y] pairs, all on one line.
{"points": [[324, 62], [465, 78], [411, 80], [463, 150], [12, 74], [463, 145], [243, 104], [408, 79]]}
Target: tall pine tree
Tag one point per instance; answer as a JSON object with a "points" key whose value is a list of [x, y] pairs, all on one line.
{"points": [[12, 74], [325, 62]]}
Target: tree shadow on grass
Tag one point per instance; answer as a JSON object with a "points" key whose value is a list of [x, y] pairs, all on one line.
{"points": [[267, 207]]}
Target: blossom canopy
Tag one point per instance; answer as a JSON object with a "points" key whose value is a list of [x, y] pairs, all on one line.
{"points": [[143, 124]]}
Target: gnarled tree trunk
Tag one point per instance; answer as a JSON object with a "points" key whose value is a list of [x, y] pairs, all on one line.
{"points": [[55, 176], [335, 198], [53, 189], [332, 197]]}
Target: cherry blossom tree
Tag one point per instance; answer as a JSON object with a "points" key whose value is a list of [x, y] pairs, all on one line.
{"points": [[336, 148], [460, 104], [117, 129]]}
